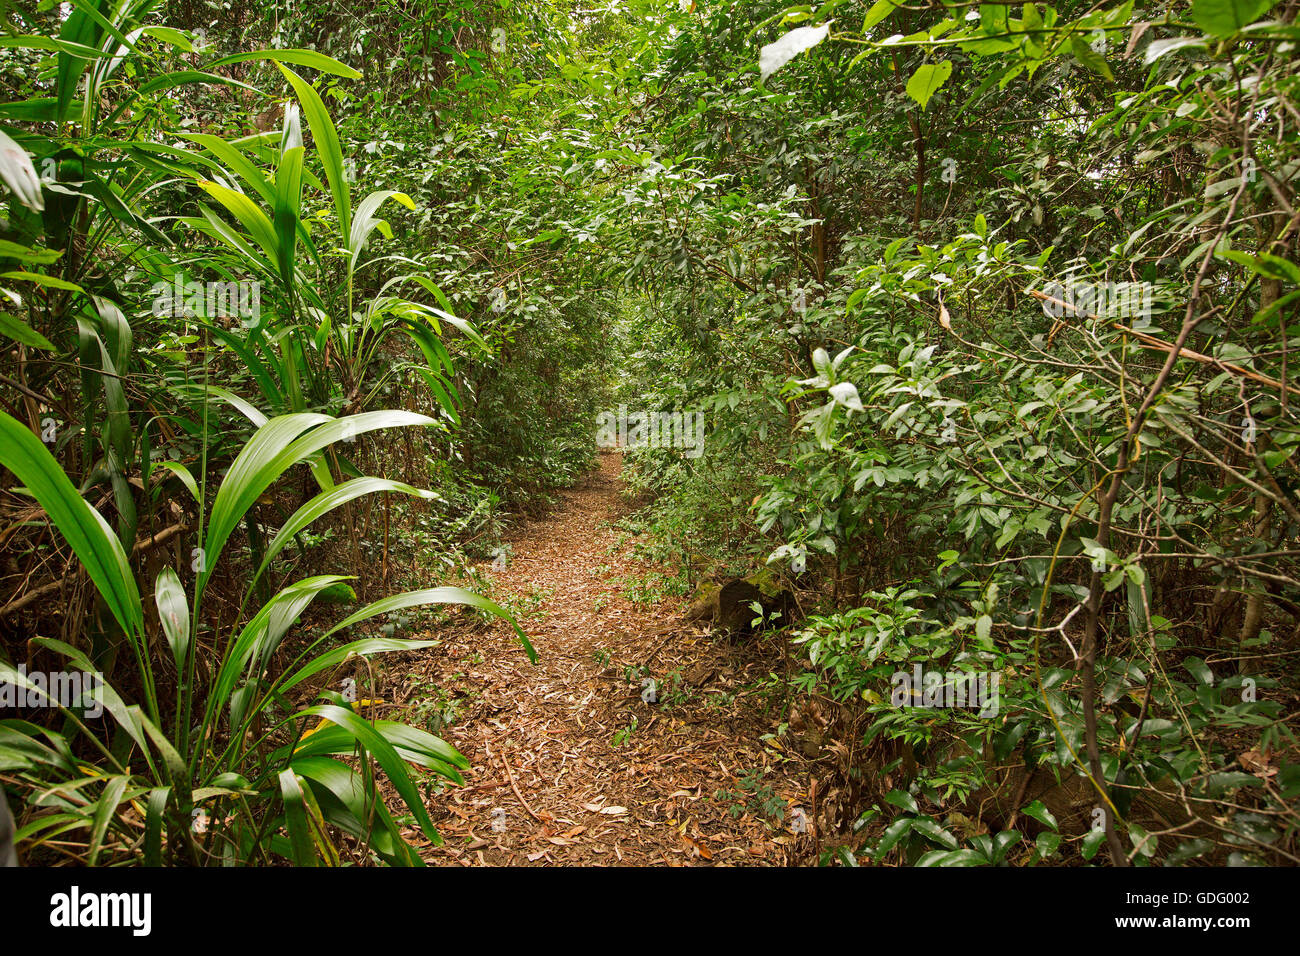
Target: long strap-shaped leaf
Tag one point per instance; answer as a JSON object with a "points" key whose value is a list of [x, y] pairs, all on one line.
{"points": [[388, 758], [356, 811], [366, 219], [327, 144], [361, 648], [444, 595], [236, 161], [264, 630], [288, 193], [317, 61], [84, 528], [295, 818], [273, 449], [412, 744], [326, 502], [249, 214]]}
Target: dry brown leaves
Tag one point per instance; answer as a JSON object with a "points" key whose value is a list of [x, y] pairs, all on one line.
{"points": [[544, 741]]}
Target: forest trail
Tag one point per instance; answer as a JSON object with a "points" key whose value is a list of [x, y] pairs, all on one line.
{"points": [[585, 770]]}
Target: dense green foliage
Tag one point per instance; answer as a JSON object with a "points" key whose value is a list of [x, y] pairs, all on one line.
{"points": [[985, 309], [894, 241]]}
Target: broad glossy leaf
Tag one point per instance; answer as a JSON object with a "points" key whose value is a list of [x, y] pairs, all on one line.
{"points": [[105, 809], [361, 648]]}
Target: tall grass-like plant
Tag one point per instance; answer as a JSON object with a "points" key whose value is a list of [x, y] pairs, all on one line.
{"points": [[312, 275], [82, 162], [230, 747]]}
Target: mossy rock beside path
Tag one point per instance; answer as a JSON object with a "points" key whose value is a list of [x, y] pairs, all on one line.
{"points": [[728, 604]]}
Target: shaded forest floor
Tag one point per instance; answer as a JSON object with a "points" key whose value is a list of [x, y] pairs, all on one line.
{"points": [[586, 771]]}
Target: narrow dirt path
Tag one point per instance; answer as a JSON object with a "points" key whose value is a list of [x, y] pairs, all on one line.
{"points": [[568, 760]]}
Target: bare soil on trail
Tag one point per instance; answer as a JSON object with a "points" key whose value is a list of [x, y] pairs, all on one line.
{"points": [[567, 759]]}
